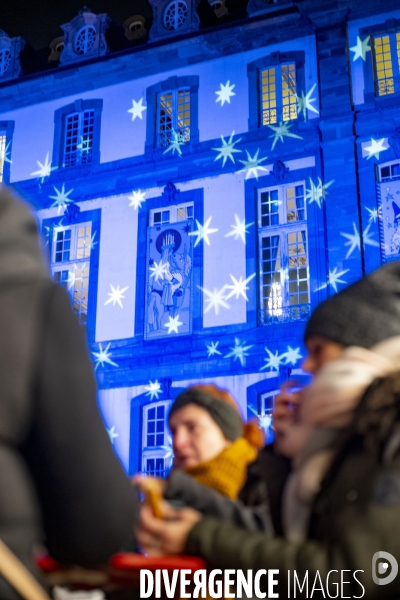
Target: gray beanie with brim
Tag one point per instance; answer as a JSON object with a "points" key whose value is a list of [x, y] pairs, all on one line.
{"points": [[363, 314], [225, 416]]}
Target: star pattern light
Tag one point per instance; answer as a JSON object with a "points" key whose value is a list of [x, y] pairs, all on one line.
{"points": [[240, 229], [376, 147], [227, 149], [153, 389], [333, 279], [374, 214], [103, 356], [92, 242], [225, 93], [61, 198], [281, 131], [7, 151], [239, 351], [317, 192], [116, 295], [292, 356], [137, 109], [212, 349], [273, 361], [367, 239], [304, 103], [158, 270], [173, 324], [253, 164], [112, 434], [214, 299], [203, 232], [239, 287], [45, 169], [137, 199], [361, 48], [175, 143], [354, 240], [72, 278]]}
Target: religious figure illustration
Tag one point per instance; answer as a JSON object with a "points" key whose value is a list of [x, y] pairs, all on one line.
{"points": [[169, 278], [395, 241]]}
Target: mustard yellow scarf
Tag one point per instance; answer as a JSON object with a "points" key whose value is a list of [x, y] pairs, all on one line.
{"points": [[227, 472]]}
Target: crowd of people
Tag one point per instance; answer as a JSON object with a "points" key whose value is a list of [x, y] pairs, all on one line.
{"points": [[323, 498]]}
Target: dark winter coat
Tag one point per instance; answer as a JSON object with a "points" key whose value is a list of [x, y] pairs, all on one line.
{"points": [[60, 482], [250, 511], [355, 514]]}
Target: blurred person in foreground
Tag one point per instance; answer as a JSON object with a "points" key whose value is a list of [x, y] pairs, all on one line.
{"points": [[340, 500], [60, 483], [216, 462]]}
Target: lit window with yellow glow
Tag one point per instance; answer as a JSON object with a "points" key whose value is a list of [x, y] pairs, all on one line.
{"points": [[173, 117], [283, 254], [278, 94], [3, 140], [70, 264], [383, 66]]}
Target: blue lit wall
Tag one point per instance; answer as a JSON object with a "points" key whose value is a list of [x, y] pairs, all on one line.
{"points": [[212, 331]]}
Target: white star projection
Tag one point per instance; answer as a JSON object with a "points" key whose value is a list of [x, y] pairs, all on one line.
{"points": [[227, 149], [137, 199], [212, 349], [92, 242], [253, 164], [280, 131], [72, 278], [374, 214], [45, 169], [333, 279], [112, 434], [203, 232], [304, 103], [7, 151], [158, 270], [355, 240], [173, 324], [225, 93], [175, 143], [317, 192], [239, 287], [137, 109], [273, 361], [239, 351], [103, 356], [61, 198], [292, 356], [376, 147], [215, 299], [116, 295], [239, 230], [153, 389], [361, 48]]}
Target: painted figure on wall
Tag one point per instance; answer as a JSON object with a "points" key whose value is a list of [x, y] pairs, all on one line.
{"points": [[395, 241], [169, 281]]}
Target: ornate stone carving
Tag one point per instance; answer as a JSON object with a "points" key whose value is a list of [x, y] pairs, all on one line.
{"points": [[56, 48], [10, 49], [219, 7], [279, 171], [170, 193], [84, 37], [173, 17], [134, 28], [71, 213]]}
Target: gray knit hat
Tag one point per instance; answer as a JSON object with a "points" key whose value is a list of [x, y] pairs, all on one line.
{"points": [[363, 314], [218, 403]]}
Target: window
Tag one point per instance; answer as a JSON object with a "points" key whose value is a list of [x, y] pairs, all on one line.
{"points": [[78, 142], [6, 133], [389, 171], [266, 407], [172, 214], [156, 443], [77, 133], [278, 94], [3, 146], [70, 264], [386, 55], [175, 15], [283, 254], [173, 116], [5, 60], [85, 39]]}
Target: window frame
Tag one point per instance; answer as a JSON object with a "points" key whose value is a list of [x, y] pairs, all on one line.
{"points": [[173, 209], [391, 27], [155, 452], [60, 119], [152, 94], [282, 229], [254, 70], [6, 130]]}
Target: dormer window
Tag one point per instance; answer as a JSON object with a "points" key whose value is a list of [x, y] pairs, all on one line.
{"points": [[175, 15], [5, 60], [85, 39]]}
